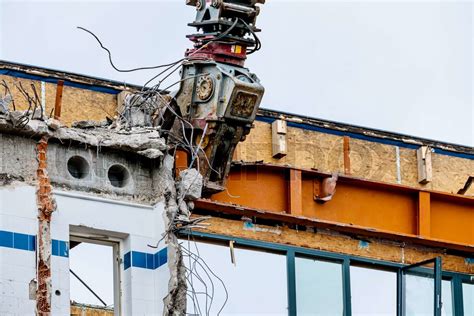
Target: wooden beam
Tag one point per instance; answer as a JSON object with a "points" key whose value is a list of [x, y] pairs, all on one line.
{"points": [[59, 98], [347, 158]]}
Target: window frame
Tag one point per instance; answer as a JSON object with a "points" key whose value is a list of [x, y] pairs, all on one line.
{"points": [[291, 252], [419, 270]]}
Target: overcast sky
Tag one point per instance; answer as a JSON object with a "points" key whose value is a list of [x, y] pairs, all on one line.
{"points": [[400, 66]]}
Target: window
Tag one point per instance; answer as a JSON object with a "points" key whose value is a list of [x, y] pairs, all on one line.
{"points": [[419, 295], [373, 292], [256, 283], [318, 287], [468, 298], [321, 283], [94, 272], [447, 298], [421, 290]]}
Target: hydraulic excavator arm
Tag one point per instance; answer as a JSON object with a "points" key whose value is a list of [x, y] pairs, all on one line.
{"points": [[217, 95]]}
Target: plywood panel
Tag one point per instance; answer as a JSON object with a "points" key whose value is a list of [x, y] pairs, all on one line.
{"points": [[369, 160], [373, 161], [409, 168], [450, 173], [77, 104], [306, 149]]}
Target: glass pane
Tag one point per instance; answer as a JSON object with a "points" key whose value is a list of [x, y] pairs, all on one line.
{"points": [[318, 287], [446, 298], [419, 295], [468, 298], [373, 292], [256, 284], [98, 276]]}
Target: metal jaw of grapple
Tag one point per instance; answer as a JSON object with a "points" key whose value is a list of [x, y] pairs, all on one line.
{"points": [[218, 96]]}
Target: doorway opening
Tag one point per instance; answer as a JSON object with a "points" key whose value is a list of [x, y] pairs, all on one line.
{"points": [[94, 275]]}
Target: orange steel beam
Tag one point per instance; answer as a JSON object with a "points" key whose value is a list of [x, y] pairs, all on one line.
{"points": [[424, 214], [361, 205], [180, 161], [296, 193]]}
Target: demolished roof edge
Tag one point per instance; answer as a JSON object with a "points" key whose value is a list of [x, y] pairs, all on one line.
{"points": [[346, 128], [296, 119]]}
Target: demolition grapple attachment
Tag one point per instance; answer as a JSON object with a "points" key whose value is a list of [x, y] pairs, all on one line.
{"points": [[218, 96]]}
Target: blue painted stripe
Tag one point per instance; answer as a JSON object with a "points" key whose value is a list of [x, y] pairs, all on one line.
{"points": [[23, 75], [145, 260], [127, 261], [26, 242], [365, 137]]}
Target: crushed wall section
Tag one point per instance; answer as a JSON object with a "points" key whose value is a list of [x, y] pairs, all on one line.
{"points": [[18, 159]]}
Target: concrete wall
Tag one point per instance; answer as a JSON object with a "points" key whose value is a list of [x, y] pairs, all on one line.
{"points": [[18, 157], [143, 271]]}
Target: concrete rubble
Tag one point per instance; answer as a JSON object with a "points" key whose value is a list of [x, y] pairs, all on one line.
{"points": [[143, 141], [190, 184]]}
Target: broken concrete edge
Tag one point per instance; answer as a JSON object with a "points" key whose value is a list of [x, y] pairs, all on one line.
{"points": [[146, 142], [179, 195], [175, 301]]}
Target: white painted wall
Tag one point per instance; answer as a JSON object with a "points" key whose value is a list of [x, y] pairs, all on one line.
{"points": [[135, 227]]}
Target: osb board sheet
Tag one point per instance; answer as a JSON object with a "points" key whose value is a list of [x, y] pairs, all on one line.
{"points": [[89, 311], [305, 149], [450, 173], [77, 104], [333, 242], [373, 161], [409, 168], [369, 160], [13, 84], [80, 104]]}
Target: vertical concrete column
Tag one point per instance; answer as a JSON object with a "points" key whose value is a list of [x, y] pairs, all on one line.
{"points": [[46, 206]]}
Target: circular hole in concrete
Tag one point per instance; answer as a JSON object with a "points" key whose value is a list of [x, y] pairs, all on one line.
{"points": [[118, 176], [57, 292], [78, 167]]}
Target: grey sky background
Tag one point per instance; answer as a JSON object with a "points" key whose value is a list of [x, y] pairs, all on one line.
{"points": [[400, 66]]}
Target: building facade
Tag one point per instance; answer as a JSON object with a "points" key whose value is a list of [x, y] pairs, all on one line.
{"points": [[318, 217]]}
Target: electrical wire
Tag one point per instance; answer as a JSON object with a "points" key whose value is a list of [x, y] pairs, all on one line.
{"points": [[110, 56], [205, 267], [258, 44]]}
